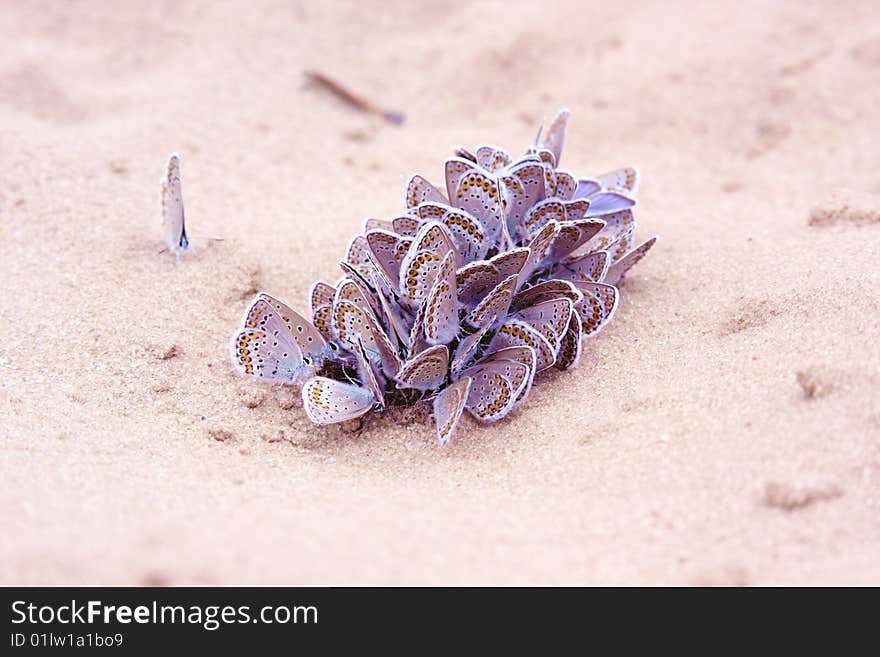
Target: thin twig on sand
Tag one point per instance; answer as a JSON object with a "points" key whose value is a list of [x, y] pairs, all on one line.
{"points": [[351, 98]]}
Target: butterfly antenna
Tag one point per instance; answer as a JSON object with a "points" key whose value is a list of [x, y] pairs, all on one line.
{"points": [[348, 377]]}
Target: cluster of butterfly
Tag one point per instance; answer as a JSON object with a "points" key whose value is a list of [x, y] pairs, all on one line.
{"points": [[463, 298]]}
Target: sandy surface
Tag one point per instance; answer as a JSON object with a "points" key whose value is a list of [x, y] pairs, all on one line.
{"points": [[724, 429]]}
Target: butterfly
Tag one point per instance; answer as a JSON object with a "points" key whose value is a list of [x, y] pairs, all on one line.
{"points": [[549, 317], [426, 370], [448, 407], [523, 355], [607, 202], [441, 305], [480, 195], [419, 190], [368, 375], [548, 210], [617, 226], [321, 304], [492, 158], [496, 387], [353, 326], [553, 137], [539, 249], [523, 187], [597, 307], [591, 267], [406, 225], [566, 185], [494, 304], [573, 235], [173, 220], [422, 261], [617, 271], [474, 280], [468, 234], [510, 262], [328, 401], [610, 192], [570, 345], [517, 333], [543, 291], [372, 223], [277, 343], [625, 180]]}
